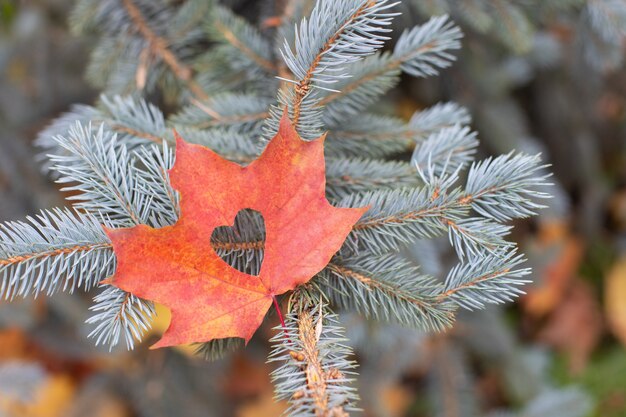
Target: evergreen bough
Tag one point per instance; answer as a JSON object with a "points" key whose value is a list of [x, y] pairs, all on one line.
{"points": [[229, 82]]}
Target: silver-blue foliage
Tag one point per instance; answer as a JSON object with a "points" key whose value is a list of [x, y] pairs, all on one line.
{"points": [[229, 84]]}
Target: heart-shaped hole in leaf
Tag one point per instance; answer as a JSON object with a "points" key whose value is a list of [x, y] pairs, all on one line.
{"points": [[241, 245], [208, 298]]}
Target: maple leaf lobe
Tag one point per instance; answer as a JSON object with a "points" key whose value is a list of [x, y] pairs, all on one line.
{"points": [[177, 266]]}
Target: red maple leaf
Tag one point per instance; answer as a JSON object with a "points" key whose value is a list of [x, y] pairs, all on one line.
{"points": [[177, 266]]}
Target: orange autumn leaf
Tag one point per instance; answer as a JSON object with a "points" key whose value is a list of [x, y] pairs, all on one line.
{"points": [[575, 327], [177, 266], [544, 297]]}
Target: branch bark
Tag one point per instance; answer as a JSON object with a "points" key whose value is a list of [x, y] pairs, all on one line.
{"points": [[159, 47]]}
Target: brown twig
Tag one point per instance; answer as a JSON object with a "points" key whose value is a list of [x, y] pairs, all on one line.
{"points": [[208, 110], [256, 245], [317, 378], [373, 283], [57, 252], [304, 85], [462, 201], [401, 218], [160, 48], [156, 139], [473, 283], [234, 246], [232, 39], [356, 83], [137, 133], [219, 119], [455, 226]]}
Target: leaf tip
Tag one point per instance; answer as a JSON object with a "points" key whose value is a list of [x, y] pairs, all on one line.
{"points": [[181, 143], [106, 281], [286, 126]]}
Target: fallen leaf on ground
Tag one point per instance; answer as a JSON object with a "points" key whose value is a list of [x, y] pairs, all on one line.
{"points": [[615, 299], [52, 399], [556, 277], [246, 378], [264, 406], [396, 399], [575, 327]]}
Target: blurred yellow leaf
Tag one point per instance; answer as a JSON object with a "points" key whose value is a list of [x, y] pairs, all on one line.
{"points": [[396, 400], [615, 299], [52, 399], [264, 406]]}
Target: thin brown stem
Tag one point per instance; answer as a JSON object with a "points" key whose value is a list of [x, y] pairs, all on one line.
{"points": [[234, 41], [359, 82], [118, 315], [51, 253], [374, 284], [401, 218], [156, 139], [218, 119], [474, 282], [317, 378], [208, 110], [437, 211], [391, 65], [304, 85], [160, 48], [137, 133], [239, 246]]}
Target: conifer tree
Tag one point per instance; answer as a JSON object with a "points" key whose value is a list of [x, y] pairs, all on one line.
{"points": [[224, 83]]}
